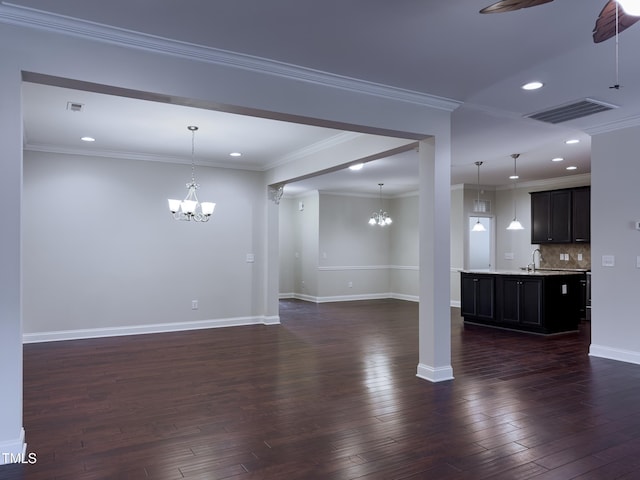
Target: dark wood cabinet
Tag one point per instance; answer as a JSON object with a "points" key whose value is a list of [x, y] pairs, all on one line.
{"points": [[478, 296], [534, 302], [551, 217], [581, 198], [561, 216], [522, 300]]}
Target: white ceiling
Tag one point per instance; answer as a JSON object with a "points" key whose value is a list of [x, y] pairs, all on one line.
{"points": [[442, 48]]}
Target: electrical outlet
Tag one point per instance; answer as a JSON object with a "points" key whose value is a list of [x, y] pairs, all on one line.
{"points": [[194, 304], [350, 284], [579, 257], [509, 256], [608, 261]]}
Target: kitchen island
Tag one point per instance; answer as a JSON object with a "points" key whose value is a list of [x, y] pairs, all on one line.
{"points": [[534, 301]]}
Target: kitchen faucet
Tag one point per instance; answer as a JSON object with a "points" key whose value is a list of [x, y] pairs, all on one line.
{"points": [[533, 258]]}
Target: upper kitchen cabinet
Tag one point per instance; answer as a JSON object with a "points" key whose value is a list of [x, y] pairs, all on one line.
{"points": [[561, 216], [582, 215], [551, 217]]}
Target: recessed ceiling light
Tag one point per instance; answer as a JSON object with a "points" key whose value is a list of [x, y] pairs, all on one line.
{"points": [[572, 141], [572, 168], [357, 166], [235, 154], [88, 139], [532, 86], [514, 177], [557, 159]]}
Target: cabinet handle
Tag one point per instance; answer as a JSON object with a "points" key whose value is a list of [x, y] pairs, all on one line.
{"points": [[581, 239], [475, 279]]}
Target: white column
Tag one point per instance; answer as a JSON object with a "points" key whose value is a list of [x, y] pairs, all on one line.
{"points": [[11, 431], [434, 212]]}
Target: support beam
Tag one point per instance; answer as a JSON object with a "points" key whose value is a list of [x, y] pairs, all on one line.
{"points": [[434, 212], [11, 432]]}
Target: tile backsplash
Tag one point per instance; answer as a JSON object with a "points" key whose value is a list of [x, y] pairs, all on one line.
{"points": [[551, 255]]}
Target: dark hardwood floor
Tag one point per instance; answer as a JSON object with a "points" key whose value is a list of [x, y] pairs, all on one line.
{"points": [[329, 394]]}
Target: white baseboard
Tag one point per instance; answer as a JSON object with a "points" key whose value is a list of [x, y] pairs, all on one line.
{"points": [[352, 298], [13, 451], [61, 335], [434, 374], [618, 354], [349, 298]]}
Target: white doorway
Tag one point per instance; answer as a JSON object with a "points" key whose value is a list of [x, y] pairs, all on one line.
{"points": [[480, 253]]}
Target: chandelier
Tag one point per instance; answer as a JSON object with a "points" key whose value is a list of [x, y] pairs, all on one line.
{"points": [[190, 208], [381, 217]]}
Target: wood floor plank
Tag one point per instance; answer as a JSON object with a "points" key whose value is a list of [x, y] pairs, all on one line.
{"points": [[331, 393]]}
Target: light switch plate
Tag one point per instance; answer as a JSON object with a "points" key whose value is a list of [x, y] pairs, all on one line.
{"points": [[509, 256], [608, 261]]}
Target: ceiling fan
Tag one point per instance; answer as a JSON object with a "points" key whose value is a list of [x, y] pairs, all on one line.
{"points": [[605, 24]]}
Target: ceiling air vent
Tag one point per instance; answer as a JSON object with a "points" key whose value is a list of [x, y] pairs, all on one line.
{"points": [[571, 111], [74, 106]]}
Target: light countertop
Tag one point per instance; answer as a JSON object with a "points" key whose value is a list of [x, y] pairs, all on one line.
{"points": [[540, 272]]}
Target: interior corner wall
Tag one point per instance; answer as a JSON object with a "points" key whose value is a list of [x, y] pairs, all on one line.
{"points": [[305, 226], [349, 259], [101, 250], [287, 256], [615, 208], [458, 241], [404, 247], [354, 255]]}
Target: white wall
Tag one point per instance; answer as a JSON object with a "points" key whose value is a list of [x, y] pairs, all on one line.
{"points": [[349, 259], [615, 206], [404, 247], [101, 250], [287, 238]]}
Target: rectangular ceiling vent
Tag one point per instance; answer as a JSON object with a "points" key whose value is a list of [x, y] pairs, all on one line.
{"points": [[571, 111], [74, 106]]}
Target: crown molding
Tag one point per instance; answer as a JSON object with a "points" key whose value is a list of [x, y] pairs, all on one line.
{"points": [[613, 126], [59, 24], [322, 145], [143, 157]]}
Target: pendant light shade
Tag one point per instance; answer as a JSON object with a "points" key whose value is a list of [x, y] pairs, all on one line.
{"points": [[478, 227], [630, 7], [515, 224]]}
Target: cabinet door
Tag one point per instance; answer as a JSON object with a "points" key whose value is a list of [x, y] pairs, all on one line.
{"points": [[582, 215], [510, 300], [561, 226], [477, 296], [531, 302], [468, 295], [540, 221], [485, 297]]}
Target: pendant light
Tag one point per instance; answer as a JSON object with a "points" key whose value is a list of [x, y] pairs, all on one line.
{"points": [[478, 227], [515, 224], [381, 217], [190, 208]]}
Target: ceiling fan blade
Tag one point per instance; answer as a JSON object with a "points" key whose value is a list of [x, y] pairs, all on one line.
{"points": [[511, 5], [606, 24]]}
